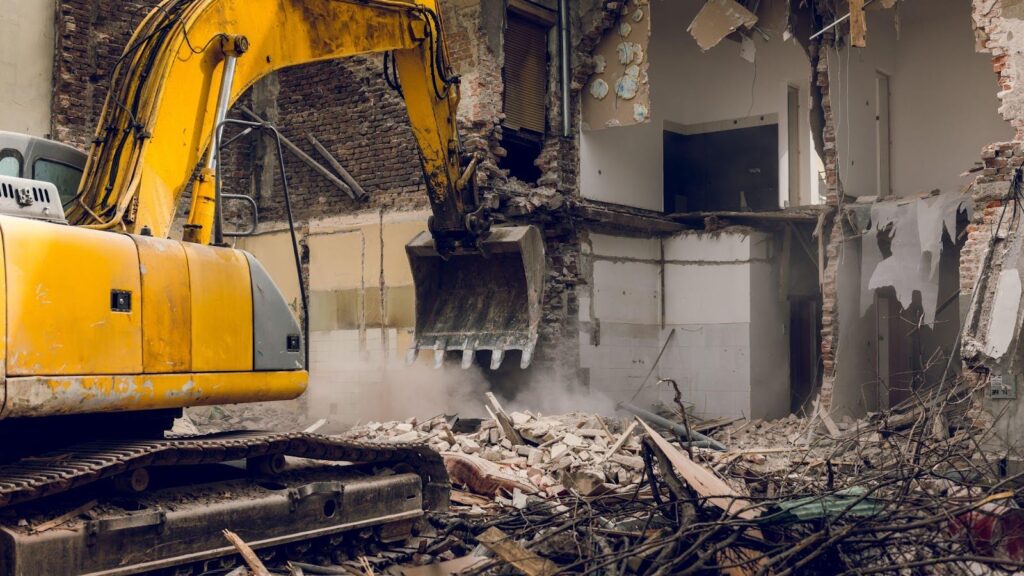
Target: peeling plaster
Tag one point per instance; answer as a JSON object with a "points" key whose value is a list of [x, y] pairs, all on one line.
{"points": [[620, 70], [916, 227]]}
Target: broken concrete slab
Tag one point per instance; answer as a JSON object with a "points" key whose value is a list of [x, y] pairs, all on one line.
{"points": [[717, 19]]}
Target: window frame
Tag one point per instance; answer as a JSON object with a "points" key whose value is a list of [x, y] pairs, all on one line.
{"points": [[37, 159], [16, 154]]}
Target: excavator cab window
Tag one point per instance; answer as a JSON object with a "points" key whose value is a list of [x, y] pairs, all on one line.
{"points": [[63, 176], [10, 163]]}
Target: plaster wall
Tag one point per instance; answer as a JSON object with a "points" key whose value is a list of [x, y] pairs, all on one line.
{"points": [[729, 353], [943, 100], [689, 88], [26, 65], [857, 384]]}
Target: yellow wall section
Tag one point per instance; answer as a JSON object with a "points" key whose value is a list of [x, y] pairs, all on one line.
{"points": [[343, 262], [166, 306], [3, 320], [59, 282], [221, 309], [274, 251]]}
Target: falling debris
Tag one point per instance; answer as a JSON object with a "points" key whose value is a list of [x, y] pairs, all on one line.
{"points": [[717, 19], [858, 24]]}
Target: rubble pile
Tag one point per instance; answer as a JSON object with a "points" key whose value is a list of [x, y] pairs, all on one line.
{"points": [[912, 490], [548, 456]]}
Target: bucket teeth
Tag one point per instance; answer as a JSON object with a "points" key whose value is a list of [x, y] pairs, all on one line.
{"points": [[496, 358], [467, 358], [485, 298], [527, 358], [439, 349]]}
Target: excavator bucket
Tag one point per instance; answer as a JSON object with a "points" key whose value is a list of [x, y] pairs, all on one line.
{"points": [[482, 300]]}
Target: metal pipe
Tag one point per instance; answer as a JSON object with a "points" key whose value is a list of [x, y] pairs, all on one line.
{"points": [[699, 440], [223, 100], [563, 40], [837, 22]]}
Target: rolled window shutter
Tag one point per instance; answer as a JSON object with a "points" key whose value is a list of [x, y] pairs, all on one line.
{"points": [[525, 74]]}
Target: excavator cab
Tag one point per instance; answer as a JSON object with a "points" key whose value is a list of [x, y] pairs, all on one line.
{"points": [[488, 299]]}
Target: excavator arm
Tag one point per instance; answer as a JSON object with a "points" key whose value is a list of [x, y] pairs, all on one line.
{"points": [[159, 119], [191, 59]]}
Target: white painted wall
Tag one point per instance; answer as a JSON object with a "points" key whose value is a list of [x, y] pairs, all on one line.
{"points": [[943, 103], [730, 352], [624, 165], [26, 65]]}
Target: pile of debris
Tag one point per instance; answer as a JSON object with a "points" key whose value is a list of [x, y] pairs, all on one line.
{"points": [[518, 458], [909, 490]]}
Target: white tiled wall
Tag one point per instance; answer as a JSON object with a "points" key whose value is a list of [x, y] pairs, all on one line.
{"points": [[709, 301]]}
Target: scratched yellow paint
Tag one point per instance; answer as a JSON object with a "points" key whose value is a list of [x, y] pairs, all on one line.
{"points": [[221, 296], [166, 306], [59, 283], [32, 397], [3, 321]]}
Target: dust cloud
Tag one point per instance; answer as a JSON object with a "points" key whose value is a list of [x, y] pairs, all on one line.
{"points": [[380, 391]]}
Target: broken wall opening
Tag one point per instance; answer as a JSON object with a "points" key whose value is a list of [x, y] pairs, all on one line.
{"points": [[763, 73], [898, 293], [915, 106]]}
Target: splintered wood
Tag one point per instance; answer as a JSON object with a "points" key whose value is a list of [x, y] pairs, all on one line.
{"points": [[703, 481]]}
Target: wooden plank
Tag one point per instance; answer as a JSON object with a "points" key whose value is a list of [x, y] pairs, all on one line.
{"points": [[858, 24], [360, 193], [504, 420], [250, 557], [64, 518], [515, 554], [703, 481], [622, 440]]}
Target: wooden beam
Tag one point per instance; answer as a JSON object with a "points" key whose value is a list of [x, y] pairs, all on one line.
{"points": [[250, 557], [319, 168], [360, 193], [516, 554], [858, 24]]}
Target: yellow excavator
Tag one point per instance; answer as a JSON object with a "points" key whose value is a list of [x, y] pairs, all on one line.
{"points": [[112, 327]]}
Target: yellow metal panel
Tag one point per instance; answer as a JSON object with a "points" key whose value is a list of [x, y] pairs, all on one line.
{"points": [[36, 397], [274, 251], [3, 322], [166, 306], [221, 309], [59, 283]]}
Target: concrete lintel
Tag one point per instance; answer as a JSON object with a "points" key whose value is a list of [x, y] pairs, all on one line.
{"points": [[635, 220]]}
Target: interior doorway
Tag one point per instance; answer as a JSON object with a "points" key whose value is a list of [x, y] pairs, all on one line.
{"points": [[731, 166]]}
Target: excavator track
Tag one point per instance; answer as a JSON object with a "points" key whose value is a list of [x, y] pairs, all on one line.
{"points": [[79, 465], [333, 487]]}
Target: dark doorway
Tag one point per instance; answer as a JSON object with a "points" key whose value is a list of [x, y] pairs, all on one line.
{"points": [[804, 343], [726, 170]]}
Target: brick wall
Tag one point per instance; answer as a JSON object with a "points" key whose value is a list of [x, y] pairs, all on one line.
{"points": [[348, 107], [90, 36], [995, 30]]}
